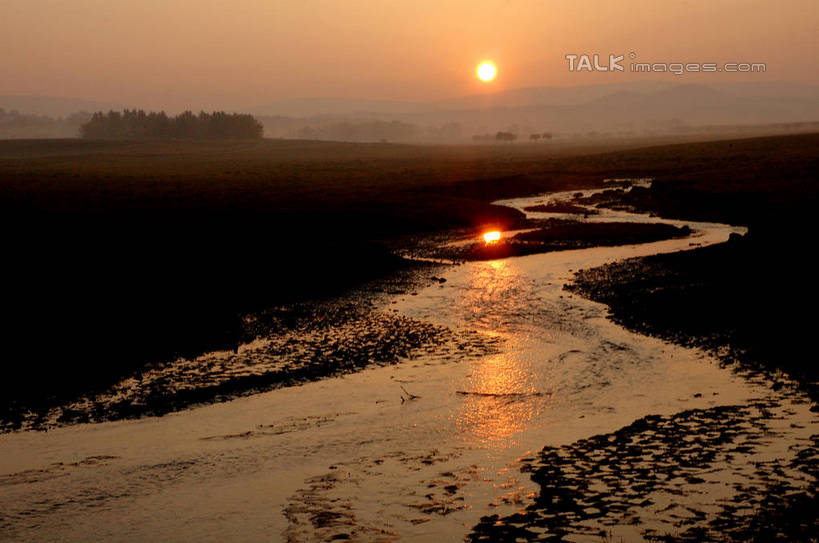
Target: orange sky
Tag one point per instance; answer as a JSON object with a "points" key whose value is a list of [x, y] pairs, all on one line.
{"points": [[237, 53]]}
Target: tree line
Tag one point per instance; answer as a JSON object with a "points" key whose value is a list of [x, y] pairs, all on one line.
{"points": [[137, 124]]}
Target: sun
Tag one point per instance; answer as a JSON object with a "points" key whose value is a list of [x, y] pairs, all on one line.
{"points": [[486, 71]]}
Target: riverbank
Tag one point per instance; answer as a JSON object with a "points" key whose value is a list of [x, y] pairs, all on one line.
{"points": [[282, 346], [747, 300], [720, 298]]}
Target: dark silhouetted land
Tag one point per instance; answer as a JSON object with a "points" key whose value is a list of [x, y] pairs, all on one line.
{"points": [[122, 253]]}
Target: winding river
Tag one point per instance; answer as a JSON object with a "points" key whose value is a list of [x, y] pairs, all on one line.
{"points": [[418, 451]]}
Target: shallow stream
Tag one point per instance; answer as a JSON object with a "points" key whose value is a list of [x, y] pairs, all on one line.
{"points": [[418, 451]]}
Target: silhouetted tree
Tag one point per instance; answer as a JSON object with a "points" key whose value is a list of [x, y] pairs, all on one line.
{"points": [[138, 125], [506, 136], [534, 137]]}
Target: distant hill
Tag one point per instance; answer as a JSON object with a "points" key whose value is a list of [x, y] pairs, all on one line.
{"points": [[342, 107], [554, 96], [334, 107], [541, 96], [53, 106]]}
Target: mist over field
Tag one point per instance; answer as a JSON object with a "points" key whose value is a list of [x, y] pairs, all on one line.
{"points": [[617, 110], [624, 110]]}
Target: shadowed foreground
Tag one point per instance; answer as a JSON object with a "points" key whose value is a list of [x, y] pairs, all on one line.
{"points": [[121, 253]]}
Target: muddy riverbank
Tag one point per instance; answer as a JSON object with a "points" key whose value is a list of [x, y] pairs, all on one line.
{"points": [[283, 346], [667, 478], [712, 298], [744, 300]]}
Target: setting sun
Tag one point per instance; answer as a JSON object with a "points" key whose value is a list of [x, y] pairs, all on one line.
{"points": [[491, 237], [486, 71]]}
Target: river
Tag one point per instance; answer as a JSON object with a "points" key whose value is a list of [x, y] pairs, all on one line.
{"points": [[417, 451]]}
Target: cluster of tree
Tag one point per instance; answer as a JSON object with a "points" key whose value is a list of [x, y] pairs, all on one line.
{"points": [[538, 136], [14, 124], [491, 138], [509, 137], [135, 125]]}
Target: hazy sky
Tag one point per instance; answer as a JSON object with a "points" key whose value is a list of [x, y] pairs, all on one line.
{"points": [[238, 53]]}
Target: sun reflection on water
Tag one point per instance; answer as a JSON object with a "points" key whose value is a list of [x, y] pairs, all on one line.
{"points": [[500, 397], [500, 402], [494, 290]]}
